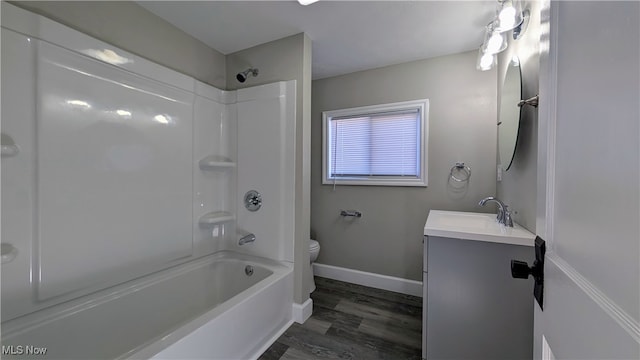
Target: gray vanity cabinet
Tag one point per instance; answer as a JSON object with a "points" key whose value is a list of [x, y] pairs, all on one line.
{"points": [[473, 308]]}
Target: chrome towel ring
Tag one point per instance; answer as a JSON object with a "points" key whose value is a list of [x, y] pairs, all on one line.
{"points": [[462, 170]]}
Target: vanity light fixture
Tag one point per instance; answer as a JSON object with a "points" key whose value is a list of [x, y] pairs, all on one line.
{"points": [[508, 17]]}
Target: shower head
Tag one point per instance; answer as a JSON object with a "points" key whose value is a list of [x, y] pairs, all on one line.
{"points": [[242, 76]]}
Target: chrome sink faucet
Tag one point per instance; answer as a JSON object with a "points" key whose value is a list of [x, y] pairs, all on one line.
{"points": [[504, 215]]}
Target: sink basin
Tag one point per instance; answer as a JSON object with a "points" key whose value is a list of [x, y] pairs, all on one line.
{"points": [[475, 226]]}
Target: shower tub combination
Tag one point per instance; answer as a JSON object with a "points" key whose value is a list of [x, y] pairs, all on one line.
{"points": [[224, 306], [120, 180]]}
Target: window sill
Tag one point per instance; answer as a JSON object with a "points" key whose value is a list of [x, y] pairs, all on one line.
{"points": [[363, 182]]}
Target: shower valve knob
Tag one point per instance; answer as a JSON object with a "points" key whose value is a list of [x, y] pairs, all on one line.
{"points": [[252, 200]]}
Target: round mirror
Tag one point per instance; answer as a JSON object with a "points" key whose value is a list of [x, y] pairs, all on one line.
{"points": [[509, 117]]}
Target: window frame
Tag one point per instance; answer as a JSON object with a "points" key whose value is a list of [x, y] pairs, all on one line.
{"points": [[422, 105]]}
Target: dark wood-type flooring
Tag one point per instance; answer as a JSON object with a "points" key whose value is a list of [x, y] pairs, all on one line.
{"points": [[354, 322]]}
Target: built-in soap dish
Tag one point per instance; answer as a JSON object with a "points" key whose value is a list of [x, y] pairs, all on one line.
{"points": [[215, 217], [9, 252], [9, 147], [213, 162]]}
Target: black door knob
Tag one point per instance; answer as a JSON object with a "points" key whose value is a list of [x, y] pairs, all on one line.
{"points": [[520, 269]]}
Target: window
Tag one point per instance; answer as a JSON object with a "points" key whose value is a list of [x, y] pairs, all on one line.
{"points": [[376, 145]]}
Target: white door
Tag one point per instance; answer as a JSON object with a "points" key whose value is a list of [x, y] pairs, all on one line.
{"points": [[589, 187]]}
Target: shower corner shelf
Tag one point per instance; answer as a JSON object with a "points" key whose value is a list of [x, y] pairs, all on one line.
{"points": [[215, 217], [10, 150], [213, 162], [9, 147]]}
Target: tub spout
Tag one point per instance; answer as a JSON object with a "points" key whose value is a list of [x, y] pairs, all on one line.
{"points": [[248, 238]]}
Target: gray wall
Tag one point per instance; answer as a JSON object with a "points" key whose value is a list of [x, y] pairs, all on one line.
{"points": [[462, 127], [287, 59], [128, 26], [518, 186]]}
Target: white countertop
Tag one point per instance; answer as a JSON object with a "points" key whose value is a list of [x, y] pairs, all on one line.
{"points": [[475, 226]]}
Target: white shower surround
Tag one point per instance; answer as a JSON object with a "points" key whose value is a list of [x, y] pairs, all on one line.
{"points": [[249, 144], [266, 160]]}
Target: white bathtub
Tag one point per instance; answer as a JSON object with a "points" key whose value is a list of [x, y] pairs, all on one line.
{"points": [[208, 308]]}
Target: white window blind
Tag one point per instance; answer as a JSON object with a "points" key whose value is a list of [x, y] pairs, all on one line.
{"points": [[385, 144], [376, 145]]}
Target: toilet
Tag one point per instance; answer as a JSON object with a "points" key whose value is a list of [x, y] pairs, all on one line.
{"points": [[314, 250]]}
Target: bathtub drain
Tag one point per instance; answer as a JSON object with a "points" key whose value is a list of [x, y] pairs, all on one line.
{"points": [[248, 270]]}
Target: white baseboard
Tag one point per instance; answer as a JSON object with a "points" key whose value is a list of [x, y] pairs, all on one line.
{"points": [[384, 282], [301, 312]]}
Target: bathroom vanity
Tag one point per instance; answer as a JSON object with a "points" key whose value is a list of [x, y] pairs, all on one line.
{"points": [[472, 307]]}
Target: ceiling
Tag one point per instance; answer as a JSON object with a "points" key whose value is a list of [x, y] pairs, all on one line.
{"points": [[347, 36]]}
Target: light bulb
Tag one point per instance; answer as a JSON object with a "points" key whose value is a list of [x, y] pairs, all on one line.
{"points": [[486, 61], [494, 44], [507, 18], [509, 15], [494, 40]]}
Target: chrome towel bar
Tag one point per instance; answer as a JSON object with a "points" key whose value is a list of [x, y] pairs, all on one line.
{"points": [[533, 101], [354, 213]]}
